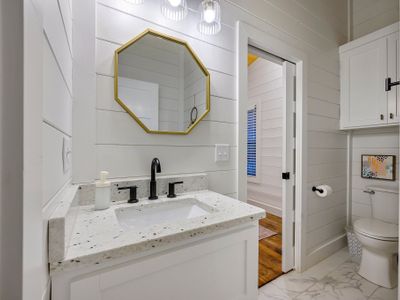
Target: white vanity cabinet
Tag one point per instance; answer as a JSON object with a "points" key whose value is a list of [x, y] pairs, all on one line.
{"points": [[222, 266], [365, 66]]}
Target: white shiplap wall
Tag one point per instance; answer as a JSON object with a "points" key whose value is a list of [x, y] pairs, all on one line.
{"points": [[265, 84], [372, 141], [57, 105], [122, 147], [57, 93], [367, 17], [371, 15], [316, 28]]}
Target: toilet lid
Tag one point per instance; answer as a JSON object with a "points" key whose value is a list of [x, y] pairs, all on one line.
{"points": [[377, 229]]}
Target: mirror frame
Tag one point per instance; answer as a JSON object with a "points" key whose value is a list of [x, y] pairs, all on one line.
{"points": [[194, 56]]}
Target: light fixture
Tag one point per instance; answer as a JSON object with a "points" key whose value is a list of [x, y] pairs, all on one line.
{"points": [[135, 1], [175, 10], [210, 21]]}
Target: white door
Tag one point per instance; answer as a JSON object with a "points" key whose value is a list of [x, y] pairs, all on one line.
{"points": [[288, 176], [393, 96], [363, 73]]}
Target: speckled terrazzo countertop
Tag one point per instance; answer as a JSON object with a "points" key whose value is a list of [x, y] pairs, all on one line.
{"points": [[97, 236]]}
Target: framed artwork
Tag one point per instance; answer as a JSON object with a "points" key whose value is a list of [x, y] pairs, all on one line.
{"points": [[382, 167]]}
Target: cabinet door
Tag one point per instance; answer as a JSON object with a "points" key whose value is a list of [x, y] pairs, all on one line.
{"points": [[393, 95], [222, 267], [363, 96]]}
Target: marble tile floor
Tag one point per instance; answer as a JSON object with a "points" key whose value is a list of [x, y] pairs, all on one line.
{"points": [[335, 278]]}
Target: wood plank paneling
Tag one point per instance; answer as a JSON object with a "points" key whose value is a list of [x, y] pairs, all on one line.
{"points": [[54, 177], [128, 161], [123, 147], [369, 16], [119, 128], [57, 93], [109, 29], [371, 141], [57, 100], [56, 33], [313, 26]]}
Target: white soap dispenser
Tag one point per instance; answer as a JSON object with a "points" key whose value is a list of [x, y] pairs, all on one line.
{"points": [[103, 192]]}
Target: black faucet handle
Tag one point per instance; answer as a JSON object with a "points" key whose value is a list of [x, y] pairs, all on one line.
{"points": [[132, 193], [171, 189]]}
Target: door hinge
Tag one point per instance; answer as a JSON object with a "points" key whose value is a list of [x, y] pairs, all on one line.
{"points": [[294, 88], [293, 235], [286, 175]]}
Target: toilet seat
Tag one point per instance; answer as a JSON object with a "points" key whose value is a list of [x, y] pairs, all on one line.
{"points": [[377, 229]]}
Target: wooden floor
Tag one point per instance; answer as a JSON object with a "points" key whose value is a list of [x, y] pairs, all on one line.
{"points": [[270, 251]]}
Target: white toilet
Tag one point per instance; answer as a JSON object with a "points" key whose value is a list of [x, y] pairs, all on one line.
{"points": [[379, 238]]}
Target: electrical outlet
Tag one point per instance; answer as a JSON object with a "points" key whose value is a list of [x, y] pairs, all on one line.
{"points": [[221, 152]]}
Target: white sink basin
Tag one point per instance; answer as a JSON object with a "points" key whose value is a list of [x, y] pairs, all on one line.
{"points": [[138, 217]]}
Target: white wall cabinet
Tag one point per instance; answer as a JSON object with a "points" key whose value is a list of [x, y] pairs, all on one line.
{"points": [[393, 74], [365, 65]]}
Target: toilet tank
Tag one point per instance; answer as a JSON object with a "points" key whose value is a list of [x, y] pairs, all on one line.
{"points": [[385, 204]]}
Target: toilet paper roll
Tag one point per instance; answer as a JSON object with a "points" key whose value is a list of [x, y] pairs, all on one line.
{"points": [[326, 190]]}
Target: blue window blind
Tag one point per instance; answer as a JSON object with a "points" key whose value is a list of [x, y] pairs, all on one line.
{"points": [[251, 142]]}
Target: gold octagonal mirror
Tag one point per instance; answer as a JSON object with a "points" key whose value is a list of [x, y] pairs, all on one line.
{"points": [[161, 83]]}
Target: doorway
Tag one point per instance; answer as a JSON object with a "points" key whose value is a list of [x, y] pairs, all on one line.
{"points": [[271, 158]]}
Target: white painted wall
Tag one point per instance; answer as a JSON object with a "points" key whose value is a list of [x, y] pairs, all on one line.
{"points": [[265, 84], [36, 110], [371, 15], [122, 147], [11, 154], [316, 28], [367, 17], [57, 109], [372, 141]]}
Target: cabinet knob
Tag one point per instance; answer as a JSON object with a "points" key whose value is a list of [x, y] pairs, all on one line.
{"points": [[391, 115], [382, 117]]}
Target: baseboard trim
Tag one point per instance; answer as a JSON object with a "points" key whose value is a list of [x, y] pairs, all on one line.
{"points": [[325, 250], [268, 208]]}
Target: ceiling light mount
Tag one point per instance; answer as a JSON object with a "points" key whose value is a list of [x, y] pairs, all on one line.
{"points": [[175, 10], [210, 19], [135, 1]]}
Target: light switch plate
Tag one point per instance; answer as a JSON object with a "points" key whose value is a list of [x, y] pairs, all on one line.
{"points": [[66, 155], [221, 152]]}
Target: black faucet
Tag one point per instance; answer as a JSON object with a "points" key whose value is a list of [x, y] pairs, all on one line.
{"points": [[155, 167]]}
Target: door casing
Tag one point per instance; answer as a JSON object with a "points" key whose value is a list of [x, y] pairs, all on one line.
{"points": [[248, 35]]}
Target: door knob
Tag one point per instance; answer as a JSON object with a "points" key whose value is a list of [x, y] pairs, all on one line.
{"points": [[382, 117], [391, 115]]}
